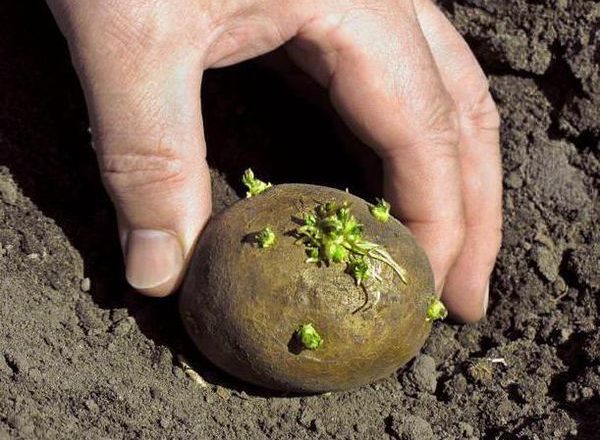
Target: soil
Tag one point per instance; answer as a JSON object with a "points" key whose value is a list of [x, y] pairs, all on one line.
{"points": [[83, 356]]}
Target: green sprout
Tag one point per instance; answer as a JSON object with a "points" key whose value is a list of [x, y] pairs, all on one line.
{"points": [[309, 337], [381, 211], [359, 268], [265, 238], [255, 186], [436, 310], [333, 234], [313, 255]]}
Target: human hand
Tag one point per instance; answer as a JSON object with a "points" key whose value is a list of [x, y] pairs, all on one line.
{"points": [[399, 74]]}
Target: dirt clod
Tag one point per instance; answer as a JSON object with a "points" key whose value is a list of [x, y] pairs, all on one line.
{"points": [[410, 428], [421, 376], [85, 284], [8, 189]]}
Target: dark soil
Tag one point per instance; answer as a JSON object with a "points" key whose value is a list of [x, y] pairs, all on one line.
{"points": [[83, 356]]}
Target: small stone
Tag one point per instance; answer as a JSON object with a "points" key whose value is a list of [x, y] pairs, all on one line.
{"points": [[117, 315], [31, 245], [587, 393], [156, 393], [509, 204], [560, 285], [164, 422], [8, 191], [513, 181], [89, 317], [546, 262], [164, 357], [123, 327], [223, 393], [34, 374], [358, 428], [243, 395], [85, 285], [307, 418], [317, 426], [178, 372], [465, 429], [565, 334], [91, 405]]}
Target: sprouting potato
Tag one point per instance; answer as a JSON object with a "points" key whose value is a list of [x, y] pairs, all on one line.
{"points": [[304, 288]]}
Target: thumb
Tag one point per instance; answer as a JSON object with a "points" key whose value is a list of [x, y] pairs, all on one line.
{"points": [[146, 119]]}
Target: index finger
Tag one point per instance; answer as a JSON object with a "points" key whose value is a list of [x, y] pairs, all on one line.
{"points": [[385, 84]]}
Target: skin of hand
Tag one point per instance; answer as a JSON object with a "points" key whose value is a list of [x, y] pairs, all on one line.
{"points": [[397, 71]]}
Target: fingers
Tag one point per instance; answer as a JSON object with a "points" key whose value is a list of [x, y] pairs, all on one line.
{"points": [[144, 108], [384, 82], [467, 285]]}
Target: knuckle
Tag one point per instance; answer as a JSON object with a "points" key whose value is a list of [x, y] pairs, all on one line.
{"points": [[126, 172], [122, 27], [139, 30], [481, 111], [441, 127]]}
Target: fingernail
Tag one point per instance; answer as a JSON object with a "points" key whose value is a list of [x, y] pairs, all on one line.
{"points": [[486, 298], [153, 257]]}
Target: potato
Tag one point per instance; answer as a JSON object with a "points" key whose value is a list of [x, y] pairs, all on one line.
{"points": [[243, 305]]}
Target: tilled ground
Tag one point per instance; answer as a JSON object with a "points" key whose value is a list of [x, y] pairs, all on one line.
{"points": [[82, 356]]}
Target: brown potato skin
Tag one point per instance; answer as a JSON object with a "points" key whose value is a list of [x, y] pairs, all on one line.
{"points": [[241, 304]]}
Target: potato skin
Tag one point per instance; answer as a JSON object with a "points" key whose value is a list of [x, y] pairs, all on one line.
{"points": [[241, 304]]}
